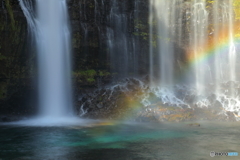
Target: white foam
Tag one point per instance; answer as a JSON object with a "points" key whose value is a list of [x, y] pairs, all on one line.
{"points": [[54, 122]]}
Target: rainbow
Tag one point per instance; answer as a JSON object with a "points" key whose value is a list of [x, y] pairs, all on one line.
{"points": [[213, 46], [203, 54], [219, 45]]}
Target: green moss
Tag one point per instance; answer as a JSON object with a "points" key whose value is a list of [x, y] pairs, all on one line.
{"points": [[90, 80], [2, 57], [90, 73], [91, 5], [139, 24], [89, 76], [103, 73], [10, 12], [86, 75], [143, 35]]}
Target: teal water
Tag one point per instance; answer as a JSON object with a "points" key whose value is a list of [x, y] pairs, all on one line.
{"points": [[119, 141]]}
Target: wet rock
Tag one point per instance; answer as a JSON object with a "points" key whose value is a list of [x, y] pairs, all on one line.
{"points": [[112, 102], [126, 98], [194, 124], [4, 119], [99, 105], [10, 118]]}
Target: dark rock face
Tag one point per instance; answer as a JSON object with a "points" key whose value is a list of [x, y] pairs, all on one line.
{"points": [[15, 59], [127, 100], [114, 102], [10, 118]]}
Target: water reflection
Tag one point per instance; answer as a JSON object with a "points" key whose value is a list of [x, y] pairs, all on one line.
{"points": [[119, 141], [46, 143]]}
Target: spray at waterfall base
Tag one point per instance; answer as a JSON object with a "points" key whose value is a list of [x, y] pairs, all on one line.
{"points": [[204, 78], [214, 96], [133, 99]]}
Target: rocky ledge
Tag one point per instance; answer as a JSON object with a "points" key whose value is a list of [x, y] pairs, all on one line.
{"points": [[132, 99]]}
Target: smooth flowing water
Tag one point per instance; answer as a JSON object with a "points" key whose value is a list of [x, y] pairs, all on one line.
{"points": [[162, 16], [119, 141], [198, 40], [123, 47], [198, 27], [116, 40], [195, 44], [52, 35], [53, 42]]}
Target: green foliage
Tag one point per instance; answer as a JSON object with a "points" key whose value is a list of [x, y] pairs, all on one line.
{"points": [[139, 24], [141, 29], [103, 73], [236, 5], [87, 75], [144, 35], [90, 75], [90, 80]]}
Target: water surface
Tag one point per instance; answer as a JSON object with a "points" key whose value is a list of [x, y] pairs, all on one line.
{"points": [[111, 140]]}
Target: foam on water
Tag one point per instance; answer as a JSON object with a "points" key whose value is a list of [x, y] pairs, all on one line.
{"points": [[53, 121]]}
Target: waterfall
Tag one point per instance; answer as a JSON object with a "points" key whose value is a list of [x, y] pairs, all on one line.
{"points": [[198, 40], [217, 59], [172, 22], [162, 18], [119, 46], [232, 49], [50, 27], [116, 22], [194, 39], [206, 32]]}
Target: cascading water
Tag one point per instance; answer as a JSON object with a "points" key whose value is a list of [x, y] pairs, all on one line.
{"points": [[121, 44], [52, 35], [116, 23], [161, 68], [232, 50], [205, 31], [53, 41], [198, 40]]}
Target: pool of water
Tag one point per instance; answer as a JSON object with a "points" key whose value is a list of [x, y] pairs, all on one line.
{"points": [[113, 140]]}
